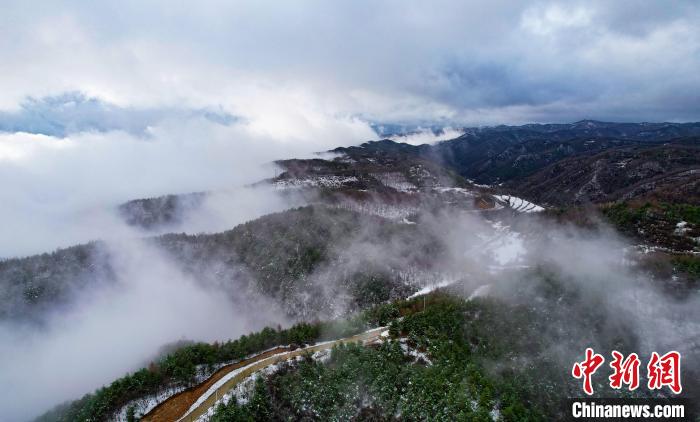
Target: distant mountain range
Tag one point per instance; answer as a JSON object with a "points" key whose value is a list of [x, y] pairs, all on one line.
{"points": [[524, 158], [564, 166], [654, 168]]}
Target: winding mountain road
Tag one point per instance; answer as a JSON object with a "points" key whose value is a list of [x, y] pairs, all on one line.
{"points": [[192, 403]]}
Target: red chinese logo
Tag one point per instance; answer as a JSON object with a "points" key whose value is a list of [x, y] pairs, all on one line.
{"points": [[665, 370], [625, 371], [661, 371], [587, 368]]}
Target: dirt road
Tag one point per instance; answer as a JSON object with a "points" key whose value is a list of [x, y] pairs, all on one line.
{"points": [[190, 404]]}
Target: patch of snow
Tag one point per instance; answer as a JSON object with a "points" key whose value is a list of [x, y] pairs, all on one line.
{"points": [[328, 181], [395, 180], [146, 404], [518, 204], [431, 287], [417, 354], [322, 356], [391, 212], [478, 185], [682, 228], [444, 189], [495, 413], [420, 173]]}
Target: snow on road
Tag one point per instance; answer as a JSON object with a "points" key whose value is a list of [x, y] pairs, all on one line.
{"points": [[272, 365]]}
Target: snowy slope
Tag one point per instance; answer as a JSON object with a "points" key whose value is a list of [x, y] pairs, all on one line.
{"points": [[518, 204]]}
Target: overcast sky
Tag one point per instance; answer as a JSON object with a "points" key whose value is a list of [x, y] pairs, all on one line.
{"points": [[464, 62], [106, 101]]}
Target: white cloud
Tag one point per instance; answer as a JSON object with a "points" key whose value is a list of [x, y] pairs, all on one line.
{"points": [[60, 192], [550, 19], [112, 329], [375, 59], [427, 136]]}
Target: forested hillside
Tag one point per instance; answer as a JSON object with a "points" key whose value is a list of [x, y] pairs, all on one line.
{"points": [[523, 265]]}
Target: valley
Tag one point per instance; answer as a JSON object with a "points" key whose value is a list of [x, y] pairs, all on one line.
{"points": [[508, 235]]}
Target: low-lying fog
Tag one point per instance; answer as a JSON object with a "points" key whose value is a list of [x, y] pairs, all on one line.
{"points": [[60, 192]]}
